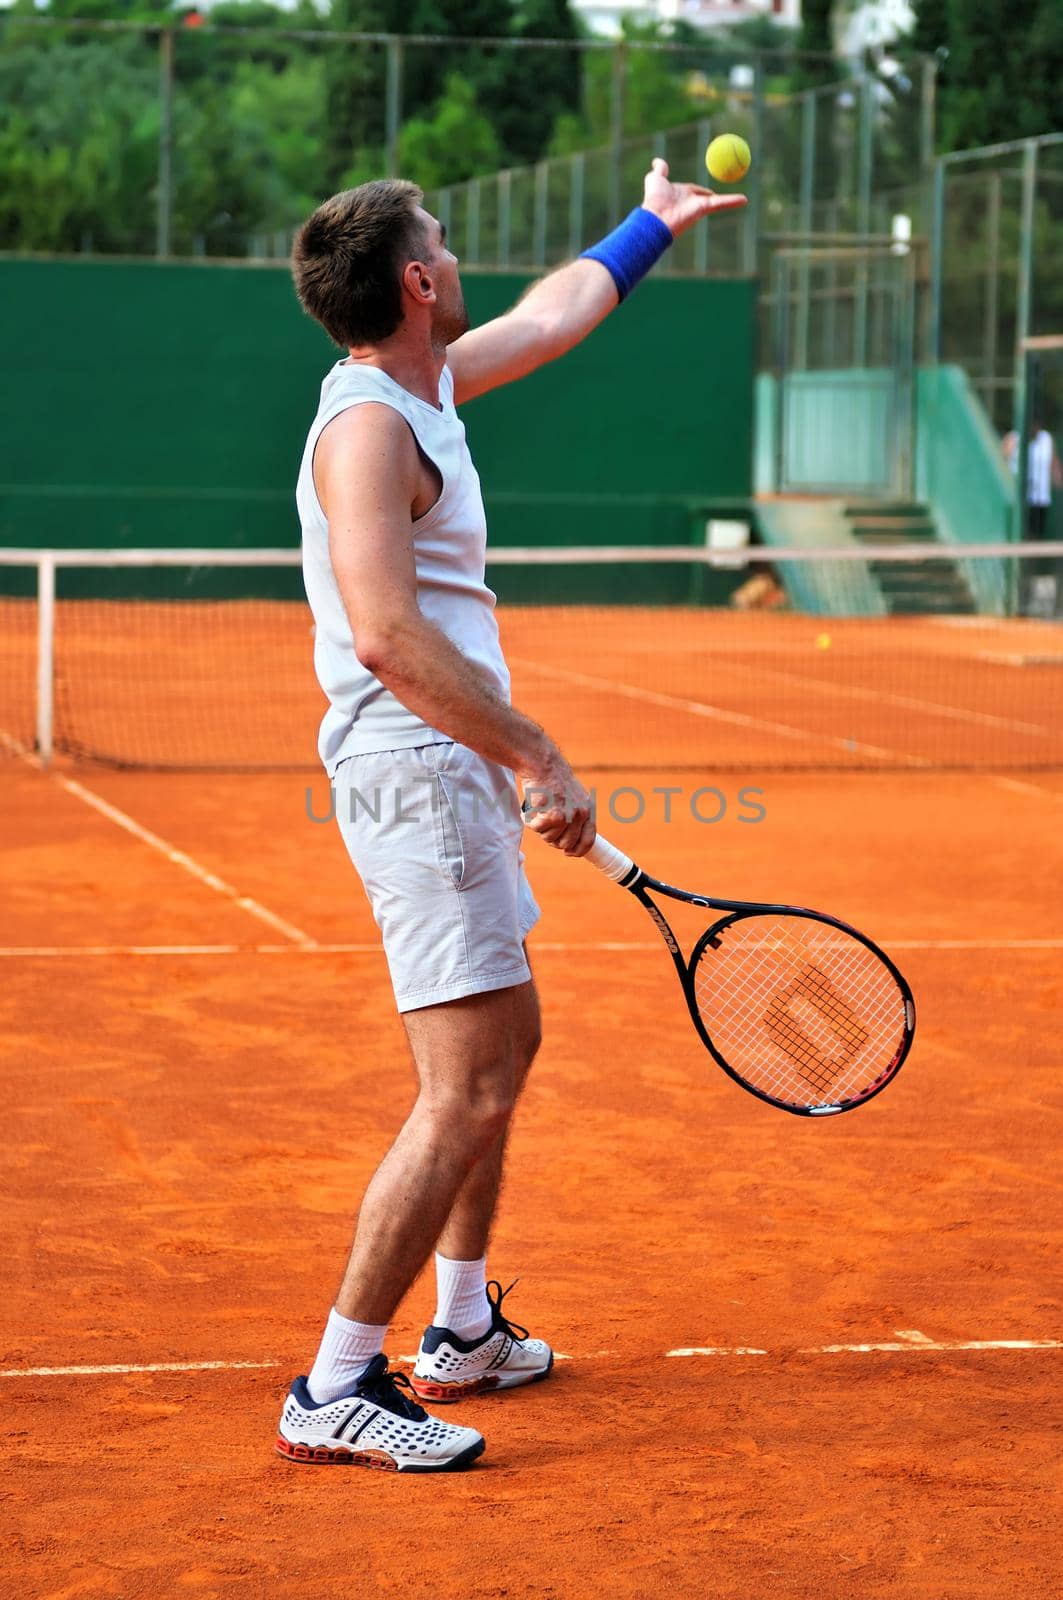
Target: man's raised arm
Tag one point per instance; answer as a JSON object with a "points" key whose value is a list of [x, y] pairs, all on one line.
{"points": [[563, 308]]}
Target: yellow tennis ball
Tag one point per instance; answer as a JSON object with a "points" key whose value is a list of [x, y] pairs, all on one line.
{"points": [[823, 641], [728, 158]]}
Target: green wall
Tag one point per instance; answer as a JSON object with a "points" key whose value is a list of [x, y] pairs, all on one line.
{"points": [[167, 404]]}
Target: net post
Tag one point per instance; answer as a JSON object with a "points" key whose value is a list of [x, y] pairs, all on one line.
{"points": [[45, 655]]}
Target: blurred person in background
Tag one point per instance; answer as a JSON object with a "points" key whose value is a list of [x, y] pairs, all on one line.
{"points": [[1043, 474]]}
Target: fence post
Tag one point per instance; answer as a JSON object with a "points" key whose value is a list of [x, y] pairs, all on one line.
{"points": [[1023, 301], [937, 253], [701, 232], [863, 212], [472, 222], [992, 295], [751, 231], [505, 216], [45, 655], [575, 205], [542, 180], [807, 191], [616, 132], [164, 197], [393, 106], [928, 114]]}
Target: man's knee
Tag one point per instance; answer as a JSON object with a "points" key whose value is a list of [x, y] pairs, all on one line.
{"points": [[472, 1113]]}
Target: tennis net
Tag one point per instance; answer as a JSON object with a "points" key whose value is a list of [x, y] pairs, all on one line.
{"points": [[672, 659]]}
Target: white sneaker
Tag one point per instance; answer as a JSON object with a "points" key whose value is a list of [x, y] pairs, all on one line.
{"points": [[376, 1425], [449, 1368]]}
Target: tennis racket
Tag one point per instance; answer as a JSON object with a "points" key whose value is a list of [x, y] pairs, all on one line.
{"points": [[795, 1006]]}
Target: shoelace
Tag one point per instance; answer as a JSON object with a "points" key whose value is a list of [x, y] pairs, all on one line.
{"points": [[385, 1386], [500, 1323]]}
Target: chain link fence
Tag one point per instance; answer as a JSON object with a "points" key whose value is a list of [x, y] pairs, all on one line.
{"points": [[121, 138], [997, 234]]}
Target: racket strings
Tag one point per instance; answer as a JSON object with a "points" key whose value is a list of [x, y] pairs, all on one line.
{"points": [[799, 1009]]}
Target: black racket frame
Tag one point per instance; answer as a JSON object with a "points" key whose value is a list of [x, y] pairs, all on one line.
{"points": [[640, 884]]}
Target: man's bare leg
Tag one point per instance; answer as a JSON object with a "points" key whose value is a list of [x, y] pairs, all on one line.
{"points": [[468, 1058], [467, 1229]]}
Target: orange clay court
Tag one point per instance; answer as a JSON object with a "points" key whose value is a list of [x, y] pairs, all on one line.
{"points": [[802, 1358]]}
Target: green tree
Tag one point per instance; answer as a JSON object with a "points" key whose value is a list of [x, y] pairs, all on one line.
{"points": [[816, 36], [1020, 95], [932, 23], [355, 83], [656, 95], [456, 141], [535, 87]]}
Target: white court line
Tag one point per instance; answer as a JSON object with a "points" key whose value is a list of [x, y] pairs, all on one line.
{"points": [[701, 708], [931, 1345], [154, 841], [591, 947], [180, 858], [153, 1366], [908, 1340], [907, 702], [1020, 786], [717, 1350]]}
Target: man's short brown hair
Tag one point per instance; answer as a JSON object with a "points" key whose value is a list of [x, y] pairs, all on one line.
{"points": [[348, 259]]}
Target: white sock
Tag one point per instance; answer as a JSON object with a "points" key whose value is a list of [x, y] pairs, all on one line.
{"points": [[346, 1350], [462, 1304]]}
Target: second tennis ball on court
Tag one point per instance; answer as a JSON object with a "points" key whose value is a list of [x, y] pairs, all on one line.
{"points": [[728, 158]]}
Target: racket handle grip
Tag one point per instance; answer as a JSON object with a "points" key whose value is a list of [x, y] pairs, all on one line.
{"points": [[608, 859]]}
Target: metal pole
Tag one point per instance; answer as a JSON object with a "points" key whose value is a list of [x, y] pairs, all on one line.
{"points": [[575, 205], [472, 222], [393, 105], [928, 114], [807, 193], [863, 215], [45, 655], [1023, 303], [505, 216], [992, 293], [781, 278], [937, 262], [701, 232], [164, 198], [752, 219], [830, 332], [616, 132], [542, 180]]}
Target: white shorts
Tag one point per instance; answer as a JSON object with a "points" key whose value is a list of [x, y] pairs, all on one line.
{"points": [[434, 834]]}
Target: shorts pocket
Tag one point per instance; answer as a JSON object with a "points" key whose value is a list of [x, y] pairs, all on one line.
{"points": [[448, 832]]}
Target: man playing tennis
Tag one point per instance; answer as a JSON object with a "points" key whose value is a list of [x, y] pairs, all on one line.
{"points": [[423, 749]]}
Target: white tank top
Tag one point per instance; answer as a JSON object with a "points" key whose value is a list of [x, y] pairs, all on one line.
{"points": [[450, 543]]}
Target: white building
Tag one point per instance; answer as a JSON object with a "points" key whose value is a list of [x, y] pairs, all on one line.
{"points": [[605, 16]]}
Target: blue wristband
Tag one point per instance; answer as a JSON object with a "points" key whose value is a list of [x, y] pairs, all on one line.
{"points": [[632, 249]]}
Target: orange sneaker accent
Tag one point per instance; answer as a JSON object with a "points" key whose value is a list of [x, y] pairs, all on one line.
{"points": [[448, 1393], [323, 1456]]}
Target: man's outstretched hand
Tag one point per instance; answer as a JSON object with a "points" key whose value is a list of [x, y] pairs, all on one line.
{"points": [[680, 205]]}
